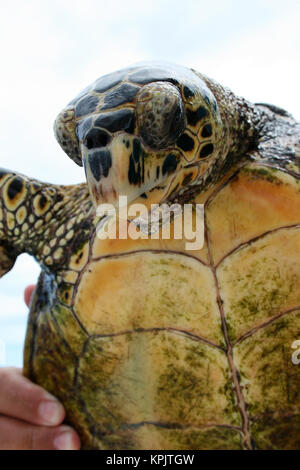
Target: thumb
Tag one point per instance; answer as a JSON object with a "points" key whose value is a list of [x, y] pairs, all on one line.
{"points": [[28, 294]]}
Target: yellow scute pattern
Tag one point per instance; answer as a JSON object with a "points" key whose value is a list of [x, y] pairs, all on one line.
{"points": [[150, 290]]}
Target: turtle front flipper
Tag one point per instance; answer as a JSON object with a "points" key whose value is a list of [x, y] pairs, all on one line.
{"points": [[40, 219], [7, 258]]}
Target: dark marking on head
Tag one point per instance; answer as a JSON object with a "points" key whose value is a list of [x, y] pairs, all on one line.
{"points": [[109, 81], [136, 171], [193, 117], [136, 150], [96, 138], [42, 201], [95, 166], [121, 120], [177, 122], [206, 99], [150, 74], [15, 187], [173, 192], [100, 163], [133, 175], [83, 127], [188, 92], [86, 105], [82, 93], [206, 150], [157, 171], [206, 131], [125, 93], [170, 164], [185, 142], [187, 179], [144, 196]]}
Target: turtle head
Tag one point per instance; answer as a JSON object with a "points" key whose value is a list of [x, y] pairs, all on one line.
{"points": [[140, 129]]}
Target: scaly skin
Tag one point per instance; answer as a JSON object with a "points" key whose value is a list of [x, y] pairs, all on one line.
{"points": [[40, 219]]}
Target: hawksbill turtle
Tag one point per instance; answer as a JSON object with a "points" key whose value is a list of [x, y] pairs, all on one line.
{"points": [[149, 345]]}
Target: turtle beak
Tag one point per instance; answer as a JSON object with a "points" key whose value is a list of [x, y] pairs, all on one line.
{"points": [[121, 167]]}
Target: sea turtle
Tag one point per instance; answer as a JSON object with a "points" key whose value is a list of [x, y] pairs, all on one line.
{"points": [[147, 344]]}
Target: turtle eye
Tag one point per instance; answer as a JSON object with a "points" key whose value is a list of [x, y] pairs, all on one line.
{"points": [[160, 114]]}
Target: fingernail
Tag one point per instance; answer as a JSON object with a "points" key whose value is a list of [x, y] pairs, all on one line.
{"points": [[51, 412], [64, 441]]}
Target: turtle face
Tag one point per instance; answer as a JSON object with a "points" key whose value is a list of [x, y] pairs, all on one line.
{"points": [[140, 129]]}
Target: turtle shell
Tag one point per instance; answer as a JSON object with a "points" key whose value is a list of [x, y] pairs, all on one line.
{"points": [[150, 346]]}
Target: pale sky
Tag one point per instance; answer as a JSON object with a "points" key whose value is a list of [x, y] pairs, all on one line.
{"points": [[51, 49]]}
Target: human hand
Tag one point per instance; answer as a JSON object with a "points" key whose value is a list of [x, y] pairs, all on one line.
{"points": [[30, 418]]}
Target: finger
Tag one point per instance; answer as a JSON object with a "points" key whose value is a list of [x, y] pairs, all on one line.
{"points": [[20, 398], [17, 435], [28, 294]]}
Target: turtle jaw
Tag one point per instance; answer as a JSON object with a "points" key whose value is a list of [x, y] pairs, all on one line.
{"points": [[124, 167]]}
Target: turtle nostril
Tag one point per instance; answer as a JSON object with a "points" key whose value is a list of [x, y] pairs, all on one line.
{"points": [[96, 138]]}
